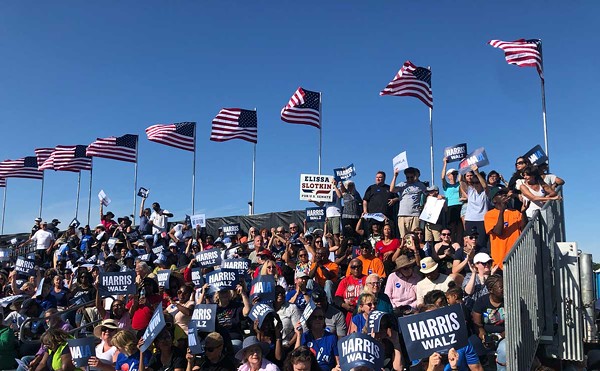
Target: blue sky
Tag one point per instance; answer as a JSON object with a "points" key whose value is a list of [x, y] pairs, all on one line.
{"points": [[73, 71]]}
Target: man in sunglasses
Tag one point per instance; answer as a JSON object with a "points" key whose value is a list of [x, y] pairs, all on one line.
{"points": [[462, 256], [350, 288], [370, 263]]}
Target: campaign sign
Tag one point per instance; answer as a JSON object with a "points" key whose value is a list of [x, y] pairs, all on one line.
{"points": [[81, 350], [204, 316], [374, 321], [208, 258], [434, 331], [259, 312], [163, 276], [316, 187], [231, 229], [116, 283], [156, 325], [198, 219], [241, 265], [74, 223], [263, 287], [4, 255], [5, 302], [360, 350], [432, 209], [477, 157], [158, 249], [400, 162], [25, 266], [536, 155], [223, 279], [133, 236], [112, 241], [344, 173], [144, 257], [456, 152], [315, 214], [194, 343], [197, 279], [143, 192], [310, 308], [380, 217]]}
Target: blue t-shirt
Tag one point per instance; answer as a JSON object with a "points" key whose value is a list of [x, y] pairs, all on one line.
{"points": [[452, 193], [359, 321], [466, 357], [325, 349], [131, 363], [300, 300], [85, 241]]}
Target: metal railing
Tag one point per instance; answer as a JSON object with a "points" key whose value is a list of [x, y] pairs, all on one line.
{"points": [[529, 297]]}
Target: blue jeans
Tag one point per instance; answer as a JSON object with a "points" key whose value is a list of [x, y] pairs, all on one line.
{"points": [[501, 355], [26, 361]]}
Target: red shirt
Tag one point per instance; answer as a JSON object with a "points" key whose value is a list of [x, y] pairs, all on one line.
{"points": [[349, 289], [381, 248], [141, 317]]}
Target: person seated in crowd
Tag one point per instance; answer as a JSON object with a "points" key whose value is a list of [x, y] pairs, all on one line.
{"points": [[373, 286], [105, 353], [370, 263], [167, 356], [57, 356], [319, 340], [301, 359], [349, 289], [324, 272], [390, 339], [463, 255], [289, 314], [300, 295], [443, 251], [489, 318], [433, 280], [474, 282], [129, 354], [335, 320], [386, 247], [366, 304], [401, 286], [252, 356], [213, 359]]}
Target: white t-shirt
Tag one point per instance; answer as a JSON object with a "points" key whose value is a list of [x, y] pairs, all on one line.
{"points": [[159, 222], [180, 234], [43, 239]]}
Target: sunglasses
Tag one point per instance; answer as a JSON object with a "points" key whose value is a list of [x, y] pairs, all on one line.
{"points": [[520, 163], [374, 283], [355, 267], [371, 304], [486, 263], [106, 329], [445, 234], [472, 237]]}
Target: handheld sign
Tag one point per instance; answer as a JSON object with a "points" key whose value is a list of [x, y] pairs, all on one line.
{"points": [[5, 302], [456, 152], [4, 255], [316, 187], [197, 279], [360, 350], [434, 331], [198, 219], [259, 312], [432, 209], [133, 236], [25, 266], [81, 350], [204, 316], [536, 156], [74, 223], [241, 265], [477, 157], [231, 229], [143, 192], [310, 308], [144, 257], [38, 291], [103, 198], [163, 277], [380, 217], [116, 283], [194, 343], [112, 241], [374, 321], [157, 250], [223, 279], [155, 326], [344, 173], [315, 214], [208, 258], [400, 162], [263, 287]]}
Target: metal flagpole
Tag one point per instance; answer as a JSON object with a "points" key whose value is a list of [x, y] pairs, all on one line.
{"points": [[78, 187], [544, 105], [4, 206], [42, 194], [431, 140], [194, 175], [253, 179], [90, 194], [320, 129], [135, 179]]}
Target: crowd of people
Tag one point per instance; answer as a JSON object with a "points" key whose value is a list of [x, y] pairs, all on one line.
{"points": [[373, 254]]}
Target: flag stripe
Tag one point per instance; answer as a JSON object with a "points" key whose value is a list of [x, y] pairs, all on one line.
{"points": [[234, 123], [303, 108], [2, 182], [25, 167], [68, 158], [411, 81], [122, 148], [522, 53], [42, 155], [179, 135]]}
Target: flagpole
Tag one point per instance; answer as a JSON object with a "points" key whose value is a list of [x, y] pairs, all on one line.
{"points": [[90, 193], [544, 104], [320, 129], [42, 194], [194, 175], [135, 174], [253, 178], [431, 145], [4, 205], [78, 187]]}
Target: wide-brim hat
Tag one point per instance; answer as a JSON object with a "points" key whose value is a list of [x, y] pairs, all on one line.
{"points": [[428, 265], [250, 341], [404, 261], [109, 323]]}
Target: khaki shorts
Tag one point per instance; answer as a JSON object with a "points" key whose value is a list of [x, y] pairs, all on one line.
{"points": [[432, 232], [333, 224], [406, 224]]}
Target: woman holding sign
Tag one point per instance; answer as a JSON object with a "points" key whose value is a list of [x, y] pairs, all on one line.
{"points": [[475, 187], [167, 356], [323, 343], [129, 354]]}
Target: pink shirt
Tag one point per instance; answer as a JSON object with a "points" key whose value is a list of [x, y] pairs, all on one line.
{"points": [[402, 290], [265, 366]]}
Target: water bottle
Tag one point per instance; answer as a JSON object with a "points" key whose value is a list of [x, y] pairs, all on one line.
{"points": [[143, 292]]}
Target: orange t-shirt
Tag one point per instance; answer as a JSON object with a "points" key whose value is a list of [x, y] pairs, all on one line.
{"points": [[501, 245], [320, 277], [374, 265]]}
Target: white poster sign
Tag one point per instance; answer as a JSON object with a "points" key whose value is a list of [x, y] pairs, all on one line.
{"points": [[316, 187], [400, 162], [432, 209]]}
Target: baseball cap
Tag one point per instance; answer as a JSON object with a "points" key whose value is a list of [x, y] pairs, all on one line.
{"points": [[433, 188], [481, 257], [301, 274], [450, 171]]}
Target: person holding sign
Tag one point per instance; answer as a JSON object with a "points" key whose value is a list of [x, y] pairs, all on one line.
{"points": [[129, 354], [106, 352], [322, 342], [57, 355], [333, 212], [410, 205], [475, 187], [535, 191], [450, 185], [167, 357], [352, 209]]}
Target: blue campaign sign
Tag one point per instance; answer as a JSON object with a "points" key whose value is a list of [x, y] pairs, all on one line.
{"points": [[259, 312], [536, 155], [374, 321], [81, 350], [477, 157], [204, 317], [360, 350], [116, 283], [163, 277], [197, 278], [222, 279], [263, 287], [208, 258], [231, 229], [344, 173], [315, 214], [155, 326], [242, 265], [194, 343], [25, 266], [456, 152], [310, 308], [434, 331]]}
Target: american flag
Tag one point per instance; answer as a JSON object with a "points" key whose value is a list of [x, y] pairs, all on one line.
{"points": [[121, 148], [180, 135], [411, 81], [234, 123], [2, 183], [42, 155], [303, 108], [523, 53], [71, 158], [25, 167]]}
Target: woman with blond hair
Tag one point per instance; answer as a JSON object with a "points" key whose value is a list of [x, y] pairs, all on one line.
{"points": [[129, 354], [269, 268], [366, 304], [57, 355]]}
